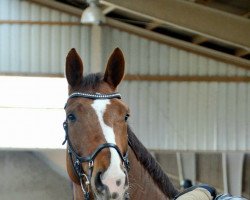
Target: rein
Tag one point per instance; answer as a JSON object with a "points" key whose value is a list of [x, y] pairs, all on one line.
{"points": [[77, 160]]}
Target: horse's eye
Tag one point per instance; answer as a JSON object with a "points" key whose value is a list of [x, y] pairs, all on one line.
{"points": [[126, 117], [71, 117]]}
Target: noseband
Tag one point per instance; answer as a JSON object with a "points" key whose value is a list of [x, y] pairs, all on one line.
{"points": [[77, 160]]}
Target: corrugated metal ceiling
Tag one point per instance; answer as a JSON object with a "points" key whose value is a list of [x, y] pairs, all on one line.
{"points": [[240, 8]]}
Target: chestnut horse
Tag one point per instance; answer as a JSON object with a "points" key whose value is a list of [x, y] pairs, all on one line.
{"points": [[105, 159]]}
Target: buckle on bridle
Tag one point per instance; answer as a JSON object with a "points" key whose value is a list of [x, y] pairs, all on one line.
{"points": [[126, 164], [91, 164], [85, 189]]}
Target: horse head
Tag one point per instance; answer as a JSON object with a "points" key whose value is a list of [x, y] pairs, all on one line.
{"points": [[96, 129]]}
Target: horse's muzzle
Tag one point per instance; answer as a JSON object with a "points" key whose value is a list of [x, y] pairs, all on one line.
{"points": [[115, 188]]}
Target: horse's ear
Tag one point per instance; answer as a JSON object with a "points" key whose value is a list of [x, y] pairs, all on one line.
{"points": [[74, 68], [115, 68]]}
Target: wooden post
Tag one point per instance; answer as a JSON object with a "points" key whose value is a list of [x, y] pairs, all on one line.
{"points": [[189, 166], [235, 162], [179, 165], [224, 170]]}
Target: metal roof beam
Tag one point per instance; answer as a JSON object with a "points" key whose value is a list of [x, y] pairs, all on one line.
{"points": [[237, 61], [108, 9], [152, 25], [190, 16], [59, 6]]}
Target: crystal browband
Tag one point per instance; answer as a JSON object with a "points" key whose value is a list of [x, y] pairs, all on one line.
{"points": [[95, 95]]}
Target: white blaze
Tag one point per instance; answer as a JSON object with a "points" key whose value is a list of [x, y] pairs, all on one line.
{"points": [[114, 172]]}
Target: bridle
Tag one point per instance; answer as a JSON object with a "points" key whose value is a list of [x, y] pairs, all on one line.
{"points": [[77, 160]]}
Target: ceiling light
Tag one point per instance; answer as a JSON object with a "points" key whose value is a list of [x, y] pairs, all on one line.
{"points": [[93, 14]]}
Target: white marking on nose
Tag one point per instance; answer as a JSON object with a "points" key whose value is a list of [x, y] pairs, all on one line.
{"points": [[114, 172]]}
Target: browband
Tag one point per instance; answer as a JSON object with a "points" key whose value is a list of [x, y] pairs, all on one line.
{"points": [[94, 96]]}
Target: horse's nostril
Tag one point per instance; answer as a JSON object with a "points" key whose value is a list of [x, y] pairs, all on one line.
{"points": [[115, 195], [98, 182], [118, 182]]}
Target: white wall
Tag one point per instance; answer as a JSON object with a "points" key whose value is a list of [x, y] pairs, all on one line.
{"points": [[32, 112], [182, 115], [165, 115], [38, 48]]}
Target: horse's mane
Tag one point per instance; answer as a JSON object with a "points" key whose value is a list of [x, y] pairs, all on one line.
{"points": [[150, 164], [92, 80], [89, 82]]}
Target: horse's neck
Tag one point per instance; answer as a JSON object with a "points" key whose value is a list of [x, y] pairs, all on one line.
{"points": [[142, 186], [77, 192]]}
